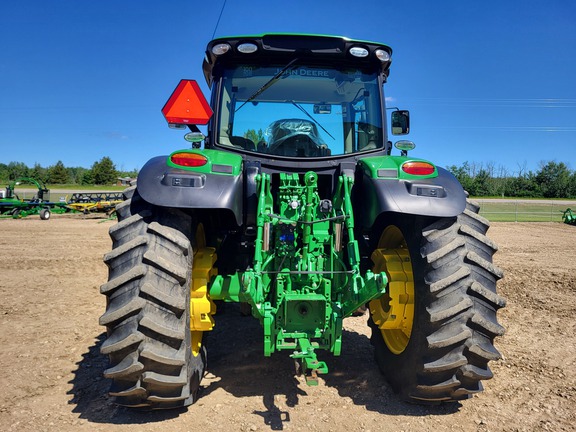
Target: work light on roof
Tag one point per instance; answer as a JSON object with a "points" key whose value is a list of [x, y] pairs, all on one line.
{"points": [[382, 55], [247, 48], [221, 48], [359, 52]]}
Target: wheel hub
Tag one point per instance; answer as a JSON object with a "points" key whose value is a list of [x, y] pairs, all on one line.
{"points": [[202, 308], [393, 313]]}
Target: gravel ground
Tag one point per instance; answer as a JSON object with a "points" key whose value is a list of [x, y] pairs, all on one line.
{"points": [[52, 370]]}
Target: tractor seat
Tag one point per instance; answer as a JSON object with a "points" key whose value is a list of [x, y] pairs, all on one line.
{"points": [[296, 138]]}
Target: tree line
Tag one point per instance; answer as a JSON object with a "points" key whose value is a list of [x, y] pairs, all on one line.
{"points": [[102, 172], [552, 180]]}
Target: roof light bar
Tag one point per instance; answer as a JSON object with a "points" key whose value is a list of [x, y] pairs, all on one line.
{"points": [[359, 52], [221, 48], [382, 55], [247, 48]]}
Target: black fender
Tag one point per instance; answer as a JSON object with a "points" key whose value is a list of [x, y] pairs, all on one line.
{"points": [[441, 196], [165, 186]]}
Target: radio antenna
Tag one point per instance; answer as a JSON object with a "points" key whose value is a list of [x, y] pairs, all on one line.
{"points": [[218, 22]]}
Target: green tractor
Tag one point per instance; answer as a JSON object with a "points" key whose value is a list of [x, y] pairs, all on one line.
{"points": [[296, 208], [11, 205]]}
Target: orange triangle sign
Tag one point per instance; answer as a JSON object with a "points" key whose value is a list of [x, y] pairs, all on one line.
{"points": [[187, 105]]}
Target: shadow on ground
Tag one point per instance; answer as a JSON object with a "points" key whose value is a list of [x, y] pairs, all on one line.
{"points": [[90, 393], [237, 365]]}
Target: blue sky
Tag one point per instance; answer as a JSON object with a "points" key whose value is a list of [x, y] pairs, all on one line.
{"points": [[490, 82]]}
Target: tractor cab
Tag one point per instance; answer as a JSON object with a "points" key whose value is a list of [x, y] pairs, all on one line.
{"points": [[297, 96]]}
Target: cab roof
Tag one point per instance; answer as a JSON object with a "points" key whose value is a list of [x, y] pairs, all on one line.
{"points": [[284, 47]]}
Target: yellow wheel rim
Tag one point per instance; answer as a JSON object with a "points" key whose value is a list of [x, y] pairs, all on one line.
{"points": [[196, 338], [393, 313], [201, 307]]}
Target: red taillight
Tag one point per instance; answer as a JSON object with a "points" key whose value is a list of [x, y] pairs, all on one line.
{"points": [[189, 159], [418, 168]]}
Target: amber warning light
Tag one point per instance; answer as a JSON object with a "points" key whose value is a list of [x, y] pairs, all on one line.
{"points": [[187, 105]]}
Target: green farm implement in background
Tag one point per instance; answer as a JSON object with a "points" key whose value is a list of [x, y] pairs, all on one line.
{"points": [[87, 202], [569, 217], [12, 206]]}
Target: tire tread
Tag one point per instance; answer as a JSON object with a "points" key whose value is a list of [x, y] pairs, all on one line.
{"points": [[147, 313]]}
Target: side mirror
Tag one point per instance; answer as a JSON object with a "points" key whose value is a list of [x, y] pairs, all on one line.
{"points": [[400, 122]]}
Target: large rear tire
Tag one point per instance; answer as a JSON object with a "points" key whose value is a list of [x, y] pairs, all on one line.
{"points": [[152, 364], [434, 341]]}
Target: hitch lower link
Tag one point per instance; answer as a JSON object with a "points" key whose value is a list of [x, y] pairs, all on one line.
{"points": [[308, 364]]}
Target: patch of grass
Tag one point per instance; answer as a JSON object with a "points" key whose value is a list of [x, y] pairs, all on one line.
{"points": [[80, 188], [522, 211]]}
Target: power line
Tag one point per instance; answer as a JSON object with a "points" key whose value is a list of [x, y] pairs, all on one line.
{"points": [[495, 102], [508, 128]]}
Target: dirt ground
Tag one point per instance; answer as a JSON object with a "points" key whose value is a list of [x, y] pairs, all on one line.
{"points": [[51, 369]]}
